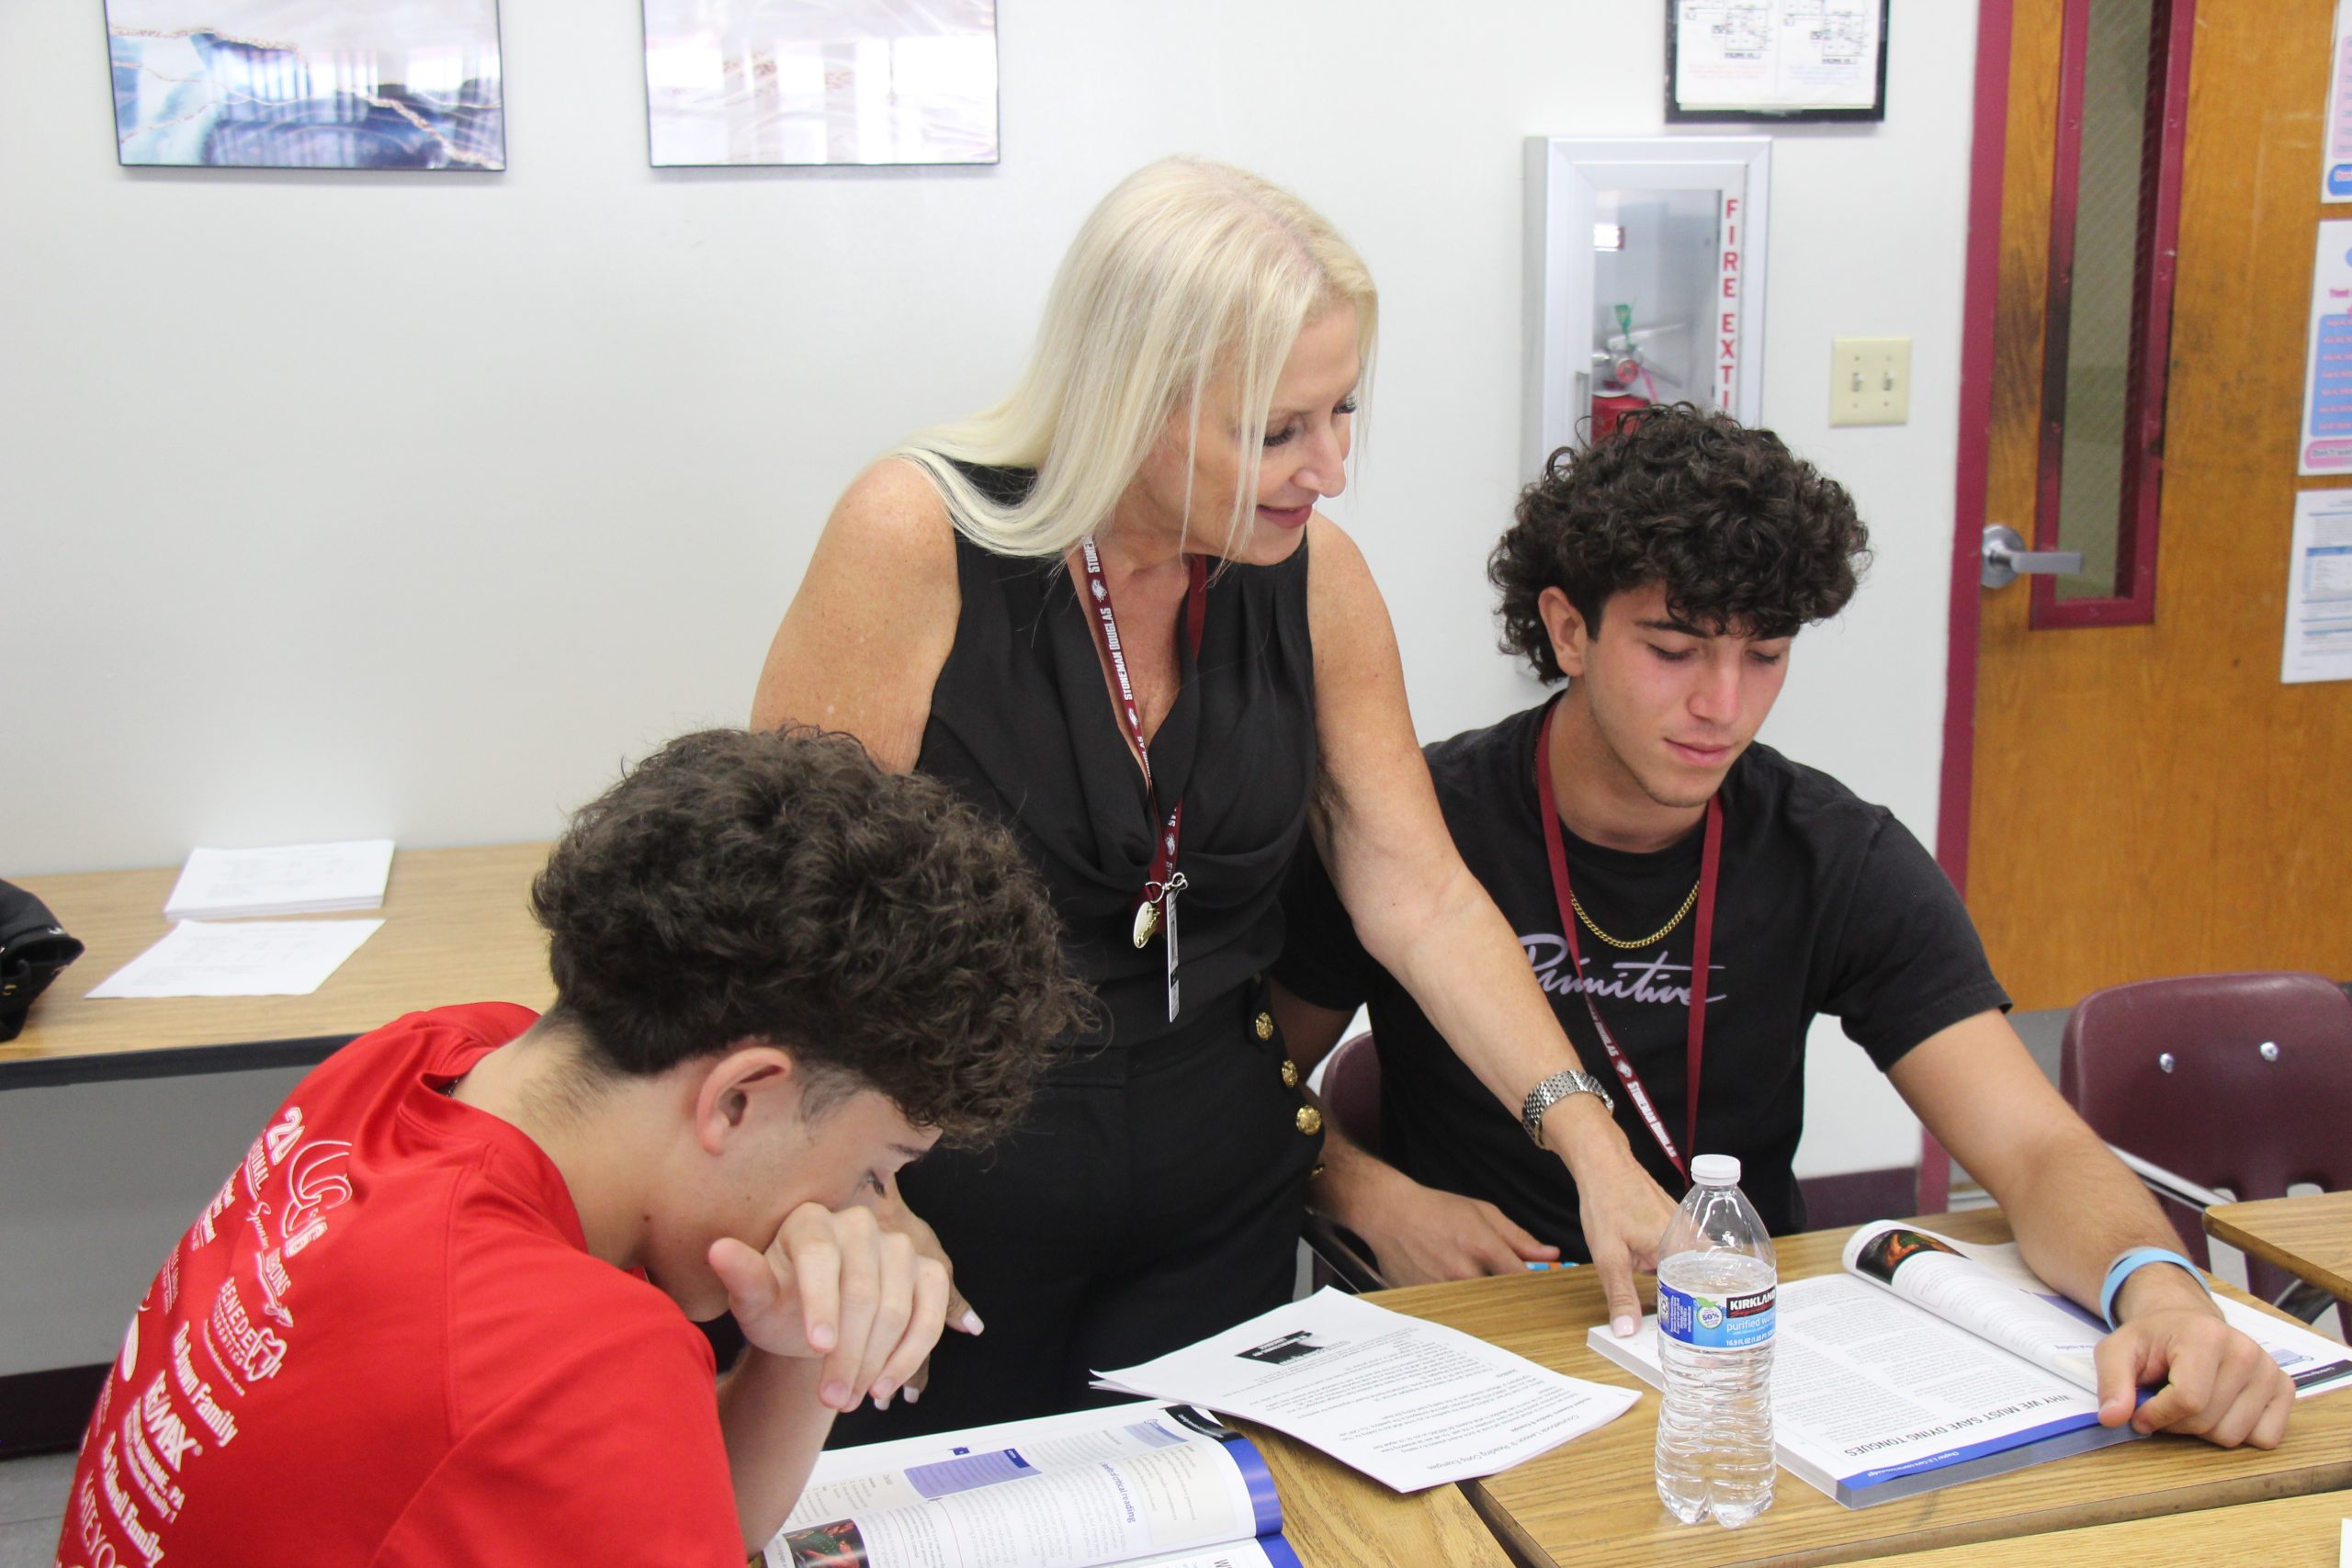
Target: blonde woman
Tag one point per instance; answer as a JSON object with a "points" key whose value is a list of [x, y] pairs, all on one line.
{"points": [[1106, 611]]}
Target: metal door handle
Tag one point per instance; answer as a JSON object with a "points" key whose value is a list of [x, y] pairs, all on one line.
{"points": [[2006, 559]]}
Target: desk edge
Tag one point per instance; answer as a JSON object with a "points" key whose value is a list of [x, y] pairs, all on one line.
{"points": [[170, 1061]]}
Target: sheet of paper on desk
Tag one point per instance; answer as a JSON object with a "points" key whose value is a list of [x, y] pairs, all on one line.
{"points": [[258, 958], [288, 879], [1410, 1403]]}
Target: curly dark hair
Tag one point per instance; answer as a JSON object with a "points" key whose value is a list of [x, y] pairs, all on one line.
{"points": [[780, 886], [1746, 535]]}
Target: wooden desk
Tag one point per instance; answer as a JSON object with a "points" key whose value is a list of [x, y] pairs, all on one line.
{"points": [[2309, 1237], [1339, 1518], [1594, 1502], [2291, 1532], [456, 929]]}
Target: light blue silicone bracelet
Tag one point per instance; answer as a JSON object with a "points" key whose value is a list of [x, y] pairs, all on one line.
{"points": [[2131, 1263]]}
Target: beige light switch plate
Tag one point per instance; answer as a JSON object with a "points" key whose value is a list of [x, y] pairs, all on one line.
{"points": [[1870, 380]]}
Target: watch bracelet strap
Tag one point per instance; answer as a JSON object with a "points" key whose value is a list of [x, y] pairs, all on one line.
{"points": [[1559, 1085]]}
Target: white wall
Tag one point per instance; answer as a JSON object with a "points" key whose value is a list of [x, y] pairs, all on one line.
{"points": [[410, 503], [346, 504]]}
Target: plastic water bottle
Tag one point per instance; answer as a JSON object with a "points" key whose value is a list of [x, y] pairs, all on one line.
{"points": [[1716, 1277]]}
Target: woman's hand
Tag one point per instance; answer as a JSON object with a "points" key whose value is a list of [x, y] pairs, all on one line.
{"points": [[1623, 1210], [892, 1211]]}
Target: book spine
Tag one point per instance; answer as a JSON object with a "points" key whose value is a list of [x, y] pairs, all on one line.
{"points": [[1266, 1506]]}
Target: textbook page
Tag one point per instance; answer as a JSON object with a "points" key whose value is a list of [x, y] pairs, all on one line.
{"points": [[1131, 1484], [1999, 1300], [1870, 1393], [1987, 1289], [1410, 1403]]}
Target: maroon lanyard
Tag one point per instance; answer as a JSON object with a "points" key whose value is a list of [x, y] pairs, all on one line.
{"points": [[1709, 861], [1156, 901]]}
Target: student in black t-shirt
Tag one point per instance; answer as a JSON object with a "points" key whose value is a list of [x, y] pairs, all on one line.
{"points": [[1630, 825]]}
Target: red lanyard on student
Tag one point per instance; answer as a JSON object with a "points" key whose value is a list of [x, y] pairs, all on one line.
{"points": [[1156, 902], [1710, 859]]}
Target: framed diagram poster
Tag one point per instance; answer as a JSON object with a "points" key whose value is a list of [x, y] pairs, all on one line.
{"points": [[1805, 60]]}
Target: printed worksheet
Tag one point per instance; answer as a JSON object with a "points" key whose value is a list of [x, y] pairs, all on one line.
{"points": [[2319, 590]]}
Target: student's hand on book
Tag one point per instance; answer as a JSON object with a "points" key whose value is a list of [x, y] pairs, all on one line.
{"points": [[835, 1285], [2217, 1384], [1423, 1235], [892, 1210]]}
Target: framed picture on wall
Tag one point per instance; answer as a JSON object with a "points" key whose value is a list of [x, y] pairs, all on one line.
{"points": [[819, 82], [1767, 60], [296, 84]]}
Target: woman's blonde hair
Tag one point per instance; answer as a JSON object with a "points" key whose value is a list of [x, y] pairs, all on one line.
{"points": [[1186, 269]]}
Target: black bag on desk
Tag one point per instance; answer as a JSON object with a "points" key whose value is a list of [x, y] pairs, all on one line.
{"points": [[33, 948]]}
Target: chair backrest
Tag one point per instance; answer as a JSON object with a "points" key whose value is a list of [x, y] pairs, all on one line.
{"points": [[2241, 1080], [1352, 1089]]}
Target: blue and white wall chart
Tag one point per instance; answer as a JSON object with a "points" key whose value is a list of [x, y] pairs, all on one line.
{"points": [[2335, 152], [2327, 444]]}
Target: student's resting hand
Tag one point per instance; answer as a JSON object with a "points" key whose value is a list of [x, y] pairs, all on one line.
{"points": [[2217, 1384], [1423, 1235], [835, 1285]]}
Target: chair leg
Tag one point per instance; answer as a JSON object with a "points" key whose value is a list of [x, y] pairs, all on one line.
{"points": [[2304, 1300], [1340, 1257]]}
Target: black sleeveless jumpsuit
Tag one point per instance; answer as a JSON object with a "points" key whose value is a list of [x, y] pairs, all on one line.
{"points": [[1153, 1195]]}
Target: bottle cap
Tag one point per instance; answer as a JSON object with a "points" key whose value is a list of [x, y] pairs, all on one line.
{"points": [[1715, 1170]]}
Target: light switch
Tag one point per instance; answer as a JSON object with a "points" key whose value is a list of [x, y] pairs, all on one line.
{"points": [[1870, 380]]}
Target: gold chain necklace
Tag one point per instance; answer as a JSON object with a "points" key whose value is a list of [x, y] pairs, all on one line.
{"points": [[1650, 940]]}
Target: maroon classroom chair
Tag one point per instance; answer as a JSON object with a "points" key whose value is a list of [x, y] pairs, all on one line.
{"points": [[2241, 1081]]}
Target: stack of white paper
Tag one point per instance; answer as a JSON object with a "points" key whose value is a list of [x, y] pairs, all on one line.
{"points": [[1409, 1403], [264, 958], [290, 879]]}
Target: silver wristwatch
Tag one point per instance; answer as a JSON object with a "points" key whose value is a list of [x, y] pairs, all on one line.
{"points": [[1553, 1090]]}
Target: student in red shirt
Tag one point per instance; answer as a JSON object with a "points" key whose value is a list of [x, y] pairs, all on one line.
{"points": [[439, 1313]]}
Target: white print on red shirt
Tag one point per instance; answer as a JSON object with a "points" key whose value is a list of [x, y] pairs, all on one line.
{"points": [[317, 1183], [198, 1393], [175, 1409]]}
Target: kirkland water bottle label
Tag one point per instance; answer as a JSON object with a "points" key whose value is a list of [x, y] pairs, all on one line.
{"points": [[1713, 1321]]}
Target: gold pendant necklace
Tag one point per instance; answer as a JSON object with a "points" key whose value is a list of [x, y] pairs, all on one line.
{"points": [[1650, 940]]}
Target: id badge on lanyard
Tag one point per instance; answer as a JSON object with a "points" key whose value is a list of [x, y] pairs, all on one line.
{"points": [[1702, 943], [1156, 900]]}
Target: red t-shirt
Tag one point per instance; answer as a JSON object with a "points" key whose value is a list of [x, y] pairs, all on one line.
{"points": [[384, 1342]]}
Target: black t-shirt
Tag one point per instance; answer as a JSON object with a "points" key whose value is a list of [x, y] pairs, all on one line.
{"points": [[1825, 904]]}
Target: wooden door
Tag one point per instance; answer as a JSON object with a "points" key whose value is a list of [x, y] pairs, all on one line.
{"points": [[2146, 799]]}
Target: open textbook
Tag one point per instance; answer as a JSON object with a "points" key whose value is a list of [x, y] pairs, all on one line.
{"points": [[1163, 1485], [1932, 1361]]}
